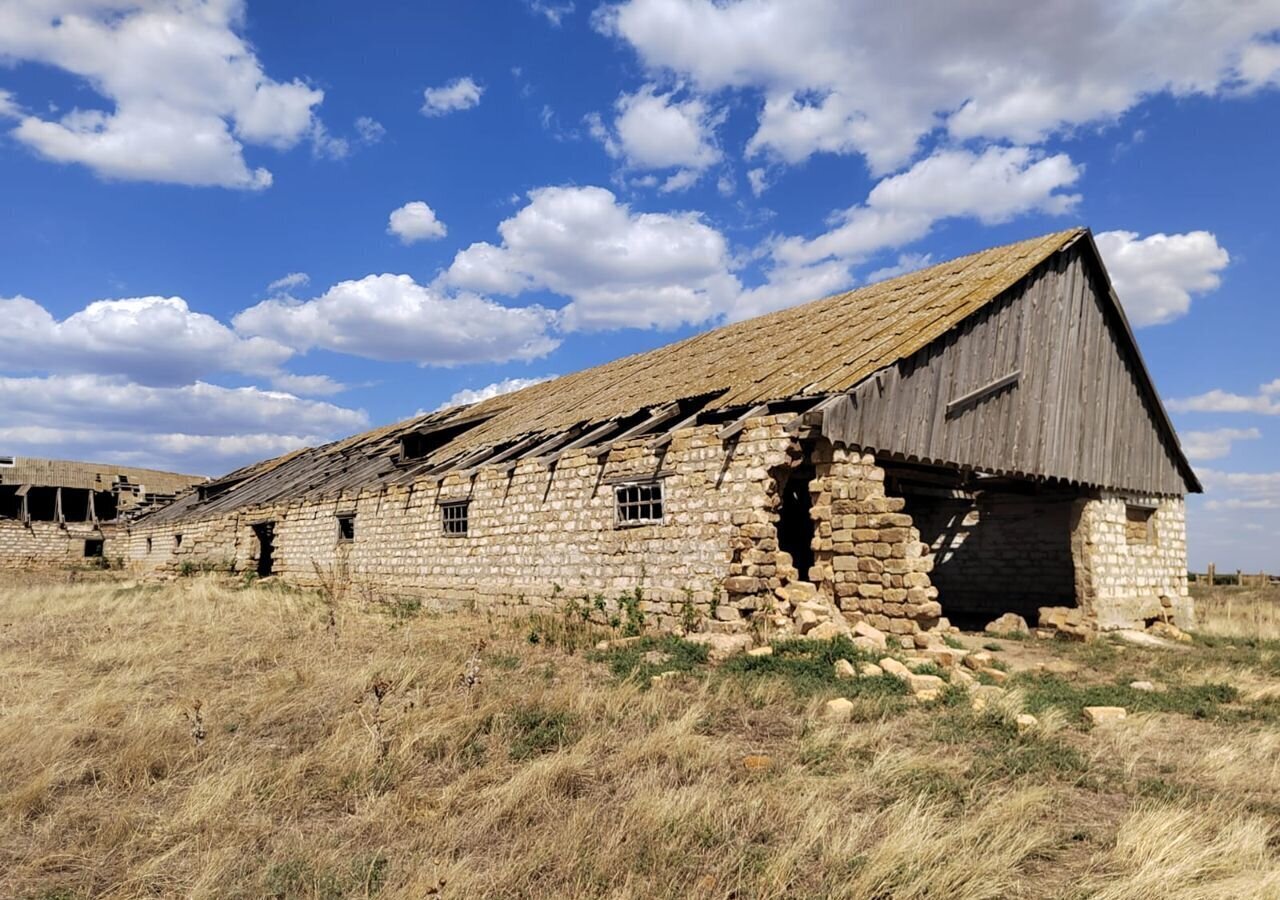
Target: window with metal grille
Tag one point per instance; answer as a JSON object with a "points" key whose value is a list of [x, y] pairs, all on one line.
{"points": [[453, 518], [639, 504], [346, 528]]}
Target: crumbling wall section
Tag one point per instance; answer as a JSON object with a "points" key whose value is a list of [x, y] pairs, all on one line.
{"points": [[1126, 580]]}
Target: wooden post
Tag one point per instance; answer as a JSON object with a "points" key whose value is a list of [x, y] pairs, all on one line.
{"points": [[1213, 574], [1239, 578]]}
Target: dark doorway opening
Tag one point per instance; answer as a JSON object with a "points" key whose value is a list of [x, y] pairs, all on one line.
{"points": [[265, 532], [795, 524], [93, 549]]}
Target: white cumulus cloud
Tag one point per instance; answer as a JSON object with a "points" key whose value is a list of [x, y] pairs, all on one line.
{"points": [[619, 268], [1217, 443], [197, 427], [393, 318], [1266, 402], [415, 221], [153, 340], [467, 396], [185, 91], [992, 186], [459, 94], [1156, 276], [860, 76], [654, 131]]}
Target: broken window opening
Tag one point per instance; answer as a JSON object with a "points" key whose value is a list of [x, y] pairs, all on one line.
{"points": [[453, 518], [75, 505], [265, 533], [148, 546], [795, 521], [177, 541], [10, 502], [93, 548], [638, 504], [346, 528], [1139, 524]]}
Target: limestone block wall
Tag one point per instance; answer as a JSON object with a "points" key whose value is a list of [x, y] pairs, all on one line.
{"points": [[868, 557], [998, 553], [878, 565], [1122, 581], [51, 544], [535, 537]]}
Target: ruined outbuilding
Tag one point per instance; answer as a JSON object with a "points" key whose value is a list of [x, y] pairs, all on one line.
{"points": [[54, 512], [978, 437]]}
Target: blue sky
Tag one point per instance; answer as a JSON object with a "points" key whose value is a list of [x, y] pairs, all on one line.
{"points": [[232, 229]]}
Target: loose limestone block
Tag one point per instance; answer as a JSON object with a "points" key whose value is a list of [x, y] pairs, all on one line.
{"points": [[979, 660], [874, 636], [1144, 686], [825, 631], [722, 646], [838, 710], [892, 667], [1025, 722], [1103, 715], [919, 683], [1009, 623], [870, 670], [766, 650], [844, 669]]}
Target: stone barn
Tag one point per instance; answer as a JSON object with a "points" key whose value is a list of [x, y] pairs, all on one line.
{"points": [[971, 439], [54, 512]]}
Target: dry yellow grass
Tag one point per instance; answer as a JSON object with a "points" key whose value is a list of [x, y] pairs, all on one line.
{"points": [[1250, 611], [202, 738]]}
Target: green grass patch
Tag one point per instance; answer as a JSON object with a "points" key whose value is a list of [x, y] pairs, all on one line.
{"points": [[1000, 751], [536, 730], [652, 655], [296, 879], [1202, 701], [809, 667]]}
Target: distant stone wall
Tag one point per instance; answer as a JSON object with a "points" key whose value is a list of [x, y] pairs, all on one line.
{"points": [[34, 544], [998, 553], [1126, 575]]}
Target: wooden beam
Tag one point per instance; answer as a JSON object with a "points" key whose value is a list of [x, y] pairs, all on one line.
{"points": [[660, 415], [511, 451], [536, 450], [807, 418], [963, 402], [665, 438], [740, 423], [594, 434]]}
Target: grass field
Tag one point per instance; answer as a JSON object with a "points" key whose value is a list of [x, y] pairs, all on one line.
{"points": [[213, 738]]}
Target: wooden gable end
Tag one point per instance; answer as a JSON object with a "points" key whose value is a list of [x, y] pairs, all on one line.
{"points": [[1045, 382]]}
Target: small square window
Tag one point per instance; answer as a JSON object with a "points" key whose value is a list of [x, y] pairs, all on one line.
{"points": [[1139, 524], [453, 518], [639, 504], [93, 549], [346, 528]]}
